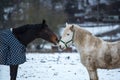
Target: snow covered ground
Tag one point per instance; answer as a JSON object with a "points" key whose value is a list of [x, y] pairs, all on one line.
{"points": [[64, 66]]}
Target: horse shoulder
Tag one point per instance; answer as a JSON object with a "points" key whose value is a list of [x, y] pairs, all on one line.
{"points": [[98, 51]]}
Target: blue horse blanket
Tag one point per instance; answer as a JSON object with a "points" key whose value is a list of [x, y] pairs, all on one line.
{"points": [[12, 52]]}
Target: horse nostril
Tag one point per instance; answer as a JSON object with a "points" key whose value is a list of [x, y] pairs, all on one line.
{"points": [[60, 46], [57, 40]]}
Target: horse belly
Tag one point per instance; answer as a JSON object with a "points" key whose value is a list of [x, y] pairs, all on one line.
{"points": [[100, 63], [107, 66], [108, 61]]}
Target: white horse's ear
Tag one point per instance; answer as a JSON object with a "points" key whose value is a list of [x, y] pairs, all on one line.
{"points": [[66, 24], [72, 28]]}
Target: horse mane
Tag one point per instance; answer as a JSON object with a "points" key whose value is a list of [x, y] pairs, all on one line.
{"points": [[82, 30], [82, 35]]}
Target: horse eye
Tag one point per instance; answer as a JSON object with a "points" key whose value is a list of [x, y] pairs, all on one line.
{"points": [[68, 34]]}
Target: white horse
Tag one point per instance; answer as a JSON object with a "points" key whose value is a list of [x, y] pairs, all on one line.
{"points": [[95, 53]]}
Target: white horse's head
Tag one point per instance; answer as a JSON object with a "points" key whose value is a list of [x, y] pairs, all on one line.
{"points": [[67, 36]]}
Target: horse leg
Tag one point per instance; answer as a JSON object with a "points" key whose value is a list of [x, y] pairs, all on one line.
{"points": [[13, 72], [93, 74]]}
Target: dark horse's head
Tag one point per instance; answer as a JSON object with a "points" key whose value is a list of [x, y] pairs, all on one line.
{"points": [[44, 32], [27, 33]]}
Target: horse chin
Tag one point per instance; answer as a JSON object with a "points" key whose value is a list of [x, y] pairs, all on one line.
{"points": [[62, 47], [55, 43]]}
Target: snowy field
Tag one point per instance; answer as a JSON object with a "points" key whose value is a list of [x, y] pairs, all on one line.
{"points": [[64, 66]]}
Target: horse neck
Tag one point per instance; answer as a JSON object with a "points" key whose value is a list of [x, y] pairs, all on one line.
{"points": [[24, 35], [86, 41], [81, 39]]}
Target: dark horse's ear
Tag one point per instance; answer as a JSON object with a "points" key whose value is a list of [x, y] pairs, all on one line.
{"points": [[43, 22], [72, 28]]}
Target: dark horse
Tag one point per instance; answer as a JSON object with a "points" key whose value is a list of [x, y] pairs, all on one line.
{"points": [[26, 34]]}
